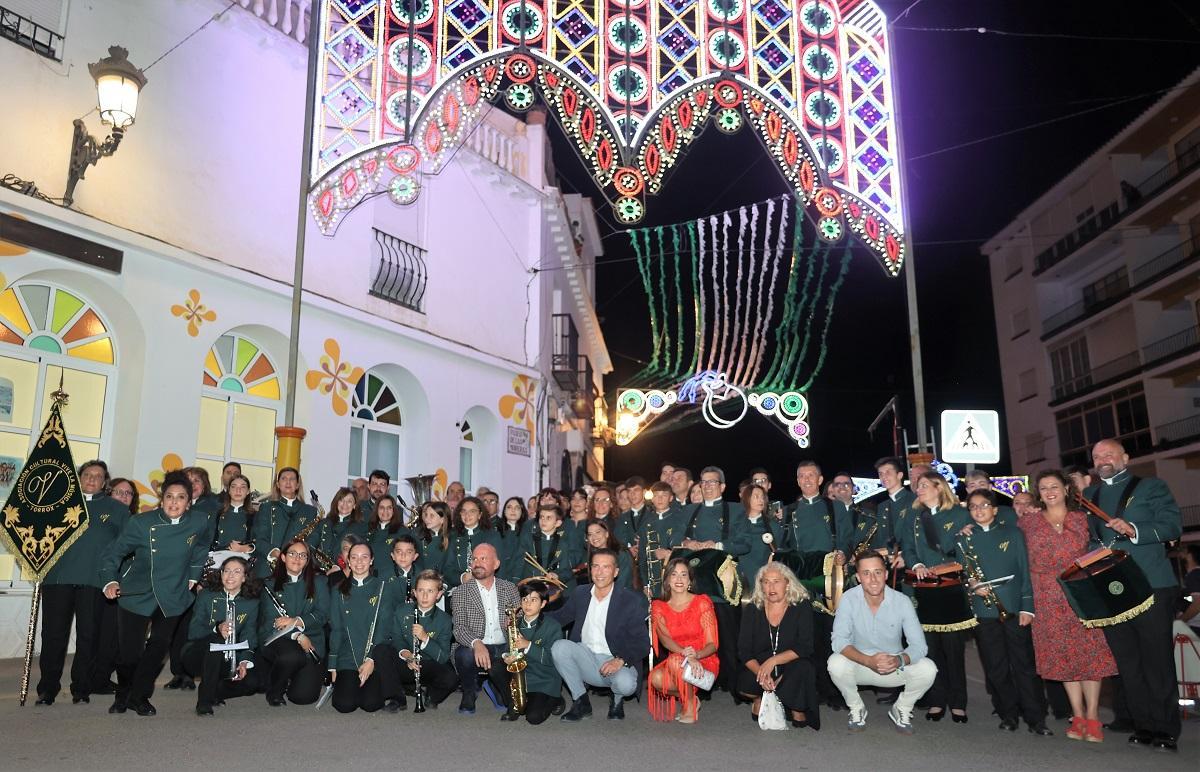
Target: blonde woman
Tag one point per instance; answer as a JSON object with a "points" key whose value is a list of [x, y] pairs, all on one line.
{"points": [[775, 646]]}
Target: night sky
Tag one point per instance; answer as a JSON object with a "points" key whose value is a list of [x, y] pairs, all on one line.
{"points": [[955, 87]]}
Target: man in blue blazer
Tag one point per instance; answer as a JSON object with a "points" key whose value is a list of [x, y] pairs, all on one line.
{"points": [[609, 639]]}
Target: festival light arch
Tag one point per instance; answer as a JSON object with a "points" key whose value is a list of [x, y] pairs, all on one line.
{"points": [[632, 83]]}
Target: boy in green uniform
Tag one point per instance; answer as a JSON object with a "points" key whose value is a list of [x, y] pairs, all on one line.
{"points": [[72, 589], [630, 520], [657, 529], [535, 635], [423, 628], [992, 550], [402, 569], [550, 547]]}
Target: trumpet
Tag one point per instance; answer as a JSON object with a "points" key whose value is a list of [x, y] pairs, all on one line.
{"points": [[975, 577], [231, 634], [517, 663]]}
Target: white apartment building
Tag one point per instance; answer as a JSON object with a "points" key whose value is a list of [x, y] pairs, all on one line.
{"points": [[1096, 289]]}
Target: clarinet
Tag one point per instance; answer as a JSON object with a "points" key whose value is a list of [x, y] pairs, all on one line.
{"points": [[416, 659], [231, 634], [282, 611]]}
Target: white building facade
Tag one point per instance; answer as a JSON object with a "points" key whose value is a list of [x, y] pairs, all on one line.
{"points": [[1096, 288], [162, 298]]}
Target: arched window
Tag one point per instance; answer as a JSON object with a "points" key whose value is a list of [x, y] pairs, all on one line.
{"points": [[239, 406], [48, 334], [375, 432], [466, 450]]}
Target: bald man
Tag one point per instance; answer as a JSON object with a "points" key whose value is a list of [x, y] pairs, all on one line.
{"points": [[1145, 516], [479, 623]]}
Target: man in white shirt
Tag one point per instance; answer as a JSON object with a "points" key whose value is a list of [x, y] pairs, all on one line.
{"points": [[607, 642], [479, 606]]}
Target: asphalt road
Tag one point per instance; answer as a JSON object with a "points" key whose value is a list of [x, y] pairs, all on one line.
{"points": [[247, 734]]}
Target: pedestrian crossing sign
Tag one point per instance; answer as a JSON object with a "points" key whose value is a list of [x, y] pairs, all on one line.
{"points": [[971, 436]]}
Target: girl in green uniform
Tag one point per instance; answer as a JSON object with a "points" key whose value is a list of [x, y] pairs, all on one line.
{"points": [[224, 674], [362, 661], [470, 530], [344, 518], [385, 526], [295, 610]]}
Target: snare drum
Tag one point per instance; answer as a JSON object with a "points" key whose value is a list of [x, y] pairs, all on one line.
{"points": [[1107, 590], [943, 605]]}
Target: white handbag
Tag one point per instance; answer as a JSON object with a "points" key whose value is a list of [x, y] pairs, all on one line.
{"points": [[698, 676], [770, 712]]}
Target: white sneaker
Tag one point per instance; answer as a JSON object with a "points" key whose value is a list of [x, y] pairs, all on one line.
{"points": [[858, 719], [902, 719]]}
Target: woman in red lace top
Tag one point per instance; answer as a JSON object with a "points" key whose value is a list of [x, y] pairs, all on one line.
{"points": [[684, 628], [1064, 649]]}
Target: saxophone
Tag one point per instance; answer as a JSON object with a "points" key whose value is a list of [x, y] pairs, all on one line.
{"points": [[320, 559], [976, 577], [865, 544], [516, 685]]}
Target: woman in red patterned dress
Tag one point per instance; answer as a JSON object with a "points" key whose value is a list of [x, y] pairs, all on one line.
{"points": [[685, 626], [1064, 649]]}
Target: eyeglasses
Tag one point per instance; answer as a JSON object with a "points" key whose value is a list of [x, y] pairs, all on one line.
{"points": [[842, 484], [710, 482], [296, 554], [760, 481], [979, 507]]}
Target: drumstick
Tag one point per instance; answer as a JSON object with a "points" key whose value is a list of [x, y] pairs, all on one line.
{"points": [[1092, 508]]}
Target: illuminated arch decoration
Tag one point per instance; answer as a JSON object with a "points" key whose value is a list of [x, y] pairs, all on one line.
{"points": [[56, 321], [632, 82], [237, 364]]}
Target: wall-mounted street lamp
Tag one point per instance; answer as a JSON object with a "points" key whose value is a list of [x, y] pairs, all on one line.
{"points": [[118, 84]]}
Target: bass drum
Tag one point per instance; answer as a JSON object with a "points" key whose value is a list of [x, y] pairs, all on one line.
{"points": [[1108, 591], [715, 573], [817, 571], [943, 606]]}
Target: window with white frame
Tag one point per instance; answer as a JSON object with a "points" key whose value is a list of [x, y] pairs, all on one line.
{"points": [[239, 409], [376, 434]]}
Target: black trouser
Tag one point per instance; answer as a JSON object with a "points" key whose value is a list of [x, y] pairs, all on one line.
{"points": [[141, 658], [822, 648], [948, 652], [468, 671], [178, 642], [1006, 649], [293, 671], [61, 603], [1056, 695], [1143, 649], [728, 621], [349, 696], [212, 668], [107, 645], [438, 680], [538, 706]]}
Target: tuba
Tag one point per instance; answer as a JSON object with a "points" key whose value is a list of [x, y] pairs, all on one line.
{"points": [[422, 490]]}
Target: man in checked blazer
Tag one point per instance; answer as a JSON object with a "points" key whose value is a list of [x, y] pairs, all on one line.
{"points": [[479, 607]]}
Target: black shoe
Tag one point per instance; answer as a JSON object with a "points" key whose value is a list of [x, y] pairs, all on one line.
{"points": [[108, 687], [559, 707], [204, 709], [887, 697], [580, 709], [118, 706], [144, 708], [395, 706], [1040, 729], [958, 719], [1120, 726], [467, 707], [187, 684], [175, 683], [1141, 737], [276, 702], [78, 698], [938, 716], [44, 700], [616, 710], [510, 715], [1165, 742], [1008, 723]]}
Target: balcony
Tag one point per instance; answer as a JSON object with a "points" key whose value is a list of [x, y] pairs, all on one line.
{"points": [[1096, 297], [1098, 376], [1179, 432], [400, 276], [1190, 516], [564, 361], [1171, 346], [29, 34], [1133, 197], [1157, 267]]}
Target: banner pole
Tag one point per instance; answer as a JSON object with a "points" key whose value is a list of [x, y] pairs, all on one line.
{"points": [[30, 635]]}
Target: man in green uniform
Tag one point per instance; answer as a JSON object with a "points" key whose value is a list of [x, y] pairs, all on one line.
{"points": [[1145, 517], [72, 589]]}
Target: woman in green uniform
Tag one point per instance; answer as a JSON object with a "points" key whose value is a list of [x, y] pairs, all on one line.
{"points": [[510, 527], [281, 517], [345, 517], [362, 661], [385, 526], [433, 534], [166, 549], [226, 611], [294, 612], [470, 530]]}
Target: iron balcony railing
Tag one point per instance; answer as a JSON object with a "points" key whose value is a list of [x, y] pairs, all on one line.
{"points": [[1110, 370], [29, 34], [1096, 296], [1134, 197], [1179, 432], [401, 273], [1166, 262], [1190, 515], [1171, 345], [564, 361]]}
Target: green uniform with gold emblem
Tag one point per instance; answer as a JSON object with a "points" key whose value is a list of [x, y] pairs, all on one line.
{"points": [[543, 685], [760, 551], [818, 525], [659, 528], [276, 523], [313, 611], [554, 553], [333, 530], [629, 524], [289, 671], [231, 525], [162, 558], [438, 677], [432, 556], [864, 521], [212, 667], [361, 627], [382, 541], [458, 554]]}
